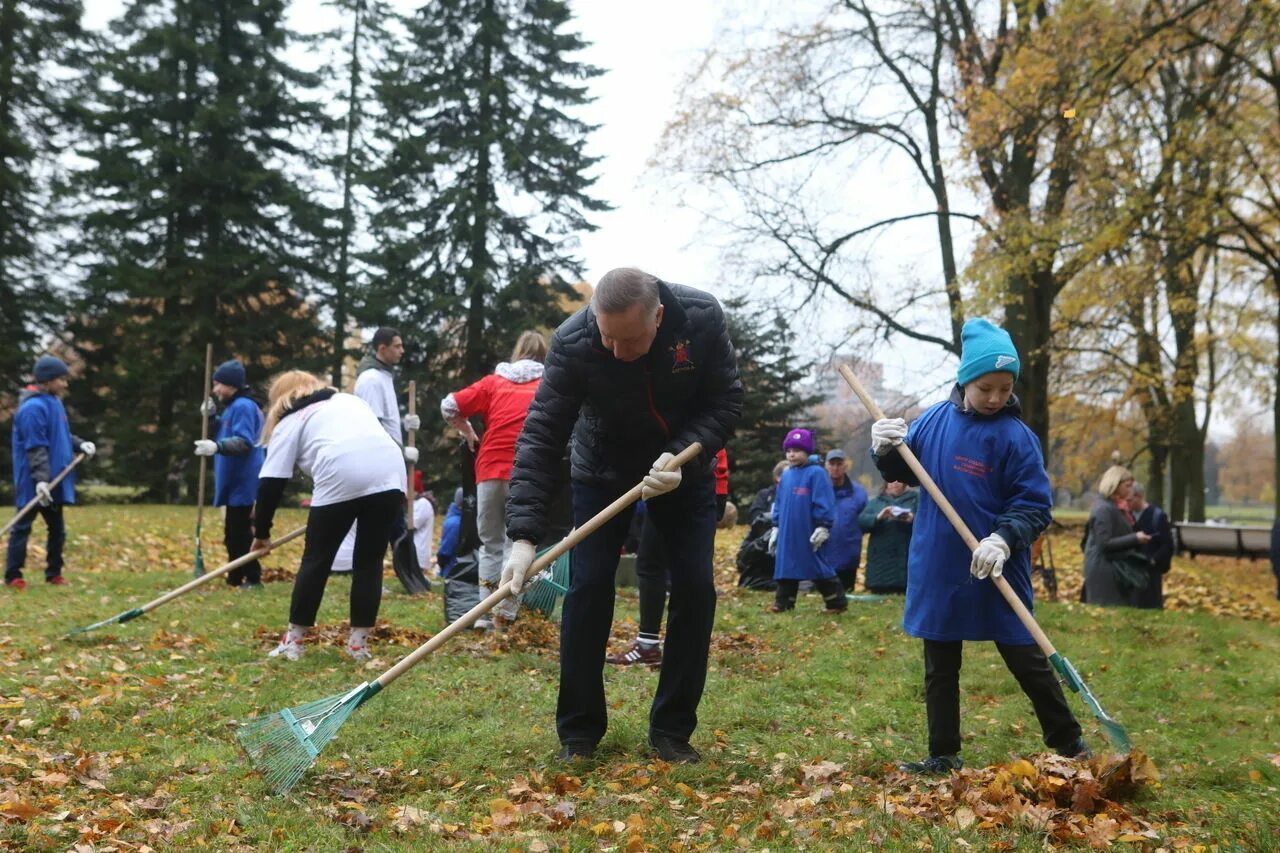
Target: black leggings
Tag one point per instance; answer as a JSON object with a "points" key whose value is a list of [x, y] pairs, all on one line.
{"points": [[327, 526]]}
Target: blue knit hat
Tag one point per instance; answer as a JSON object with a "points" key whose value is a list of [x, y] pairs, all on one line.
{"points": [[49, 368], [800, 439], [985, 348], [230, 373]]}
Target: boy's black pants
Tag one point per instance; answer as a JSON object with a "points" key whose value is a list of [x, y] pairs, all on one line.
{"points": [[1034, 674], [831, 590], [21, 532], [237, 535]]}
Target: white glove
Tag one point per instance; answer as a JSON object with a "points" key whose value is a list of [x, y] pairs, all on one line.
{"points": [[819, 537], [208, 407], [989, 557], [773, 540], [885, 433], [411, 455], [206, 447], [412, 422], [517, 565], [659, 482], [44, 493]]}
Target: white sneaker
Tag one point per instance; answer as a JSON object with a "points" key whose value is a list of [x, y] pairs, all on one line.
{"points": [[288, 649], [359, 653]]}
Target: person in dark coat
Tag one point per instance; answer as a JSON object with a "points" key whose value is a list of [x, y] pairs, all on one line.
{"points": [[755, 563], [1152, 520], [642, 372], [843, 550], [237, 461], [42, 446], [1275, 553], [989, 465], [1108, 533], [888, 518]]}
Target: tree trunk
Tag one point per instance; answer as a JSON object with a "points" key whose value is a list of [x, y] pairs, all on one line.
{"points": [[480, 264], [340, 287]]}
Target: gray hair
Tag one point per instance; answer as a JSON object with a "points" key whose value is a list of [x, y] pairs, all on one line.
{"points": [[1136, 489], [623, 287]]}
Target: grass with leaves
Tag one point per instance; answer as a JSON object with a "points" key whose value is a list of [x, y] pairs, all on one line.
{"points": [[124, 739]]}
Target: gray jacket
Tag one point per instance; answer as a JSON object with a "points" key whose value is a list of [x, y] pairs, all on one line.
{"points": [[1106, 535]]}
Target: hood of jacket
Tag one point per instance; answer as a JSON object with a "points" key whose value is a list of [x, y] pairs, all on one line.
{"points": [[520, 372], [371, 362]]}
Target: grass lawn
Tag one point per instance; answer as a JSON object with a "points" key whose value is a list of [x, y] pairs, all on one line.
{"points": [[123, 739]]}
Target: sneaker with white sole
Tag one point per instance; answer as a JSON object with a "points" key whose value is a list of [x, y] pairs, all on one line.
{"points": [[288, 649], [359, 653]]}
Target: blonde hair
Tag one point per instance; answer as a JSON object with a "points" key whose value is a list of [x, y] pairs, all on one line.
{"points": [[779, 468], [286, 389], [1111, 480], [530, 345]]}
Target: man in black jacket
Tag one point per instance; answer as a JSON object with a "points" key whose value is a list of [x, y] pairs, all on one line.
{"points": [[637, 376]]}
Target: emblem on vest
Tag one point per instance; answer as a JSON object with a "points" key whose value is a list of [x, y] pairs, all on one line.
{"points": [[680, 360]]}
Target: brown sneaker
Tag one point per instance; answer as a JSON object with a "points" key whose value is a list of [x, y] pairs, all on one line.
{"points": [[649, 655]]}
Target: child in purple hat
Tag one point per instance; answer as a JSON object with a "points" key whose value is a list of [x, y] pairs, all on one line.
{"points": [[803, 513]]}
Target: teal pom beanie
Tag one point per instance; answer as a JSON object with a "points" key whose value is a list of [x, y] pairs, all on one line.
{"points": [[985, 348]]}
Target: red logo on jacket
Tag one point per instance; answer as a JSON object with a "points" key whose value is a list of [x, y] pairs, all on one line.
{"points": [[681, 362]]}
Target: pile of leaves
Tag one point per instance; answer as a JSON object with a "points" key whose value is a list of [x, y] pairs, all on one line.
{"points": [[1064, 800]]}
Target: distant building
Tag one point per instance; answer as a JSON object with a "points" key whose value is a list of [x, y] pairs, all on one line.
{"points": [[843, 421]]}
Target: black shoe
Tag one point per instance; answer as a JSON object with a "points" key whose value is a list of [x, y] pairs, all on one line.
{"points": [[673, 749], [1079, 750], [934, 765], [574, 750]]}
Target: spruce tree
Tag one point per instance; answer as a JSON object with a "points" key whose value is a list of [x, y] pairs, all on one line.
{"points": [[37, 41], [195, 229], [484, 182]]}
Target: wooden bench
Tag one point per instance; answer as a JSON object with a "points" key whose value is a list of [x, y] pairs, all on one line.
{"points": [[1222, 540]]}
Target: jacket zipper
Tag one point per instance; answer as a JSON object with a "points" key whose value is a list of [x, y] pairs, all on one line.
{"points": [[653, 409]]}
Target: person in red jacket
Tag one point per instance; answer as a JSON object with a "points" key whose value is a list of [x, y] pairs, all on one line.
{"points": [[653, 581], [502, 399]]}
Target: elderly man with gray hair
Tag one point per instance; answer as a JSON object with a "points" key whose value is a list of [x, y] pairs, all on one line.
{"points": [[635, 377]]}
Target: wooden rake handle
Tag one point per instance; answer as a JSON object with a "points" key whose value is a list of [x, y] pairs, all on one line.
{"points": [[204, 435], [31, 504], [222, 570], [1024, 615], [554, 553], [411, 441]]}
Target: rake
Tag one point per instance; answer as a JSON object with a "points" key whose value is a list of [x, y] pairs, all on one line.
{"points": [[130, 615], [284, 745], [198, 568], [31, 504], [1112, 730], [545, 593]]}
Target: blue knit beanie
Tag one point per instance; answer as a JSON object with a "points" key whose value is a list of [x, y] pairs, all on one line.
{"points": [[985, 348], [801, 439], [49, 368], [230, 373]]}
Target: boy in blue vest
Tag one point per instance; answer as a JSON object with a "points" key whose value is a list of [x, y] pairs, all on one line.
{"points": [[42, 446], [989, 465], [803, 512], [237, 461]]}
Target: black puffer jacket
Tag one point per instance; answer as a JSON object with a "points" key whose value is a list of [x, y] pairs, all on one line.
{"points": [[623, 415]]}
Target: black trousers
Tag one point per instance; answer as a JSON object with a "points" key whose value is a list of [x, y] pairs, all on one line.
{"points": [[848, 576], [831, 590], [327, 526], [237, 535], [21, 532], [652, 579], [1034, 674], [685, 522]]}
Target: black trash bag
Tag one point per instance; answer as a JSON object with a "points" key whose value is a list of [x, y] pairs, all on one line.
{"points": [[404, 559], [462, 587], [755, 563]]}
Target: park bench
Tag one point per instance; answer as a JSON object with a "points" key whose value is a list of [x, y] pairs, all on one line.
{"points": [[1222, 540]]}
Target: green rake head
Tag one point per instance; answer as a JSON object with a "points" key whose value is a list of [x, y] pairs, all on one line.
{"points": [[118, 619], [284, 745], [547, 590], [1111, 730]]}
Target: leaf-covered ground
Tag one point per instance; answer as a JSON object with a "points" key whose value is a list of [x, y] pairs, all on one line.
{"points": [[124, 738]]}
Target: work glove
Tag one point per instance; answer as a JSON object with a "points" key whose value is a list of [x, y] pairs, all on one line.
{"points": [[88, 448], [773, 540], [411, 455], [885, 433], [819, 537], [206, 447], [44, 493], [517, 565], [989, 557], [209, 407], [473, 440], [659, 482], [412, 422]]}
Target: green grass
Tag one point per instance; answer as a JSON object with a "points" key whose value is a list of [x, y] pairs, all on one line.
{"points": [[157, 701]]}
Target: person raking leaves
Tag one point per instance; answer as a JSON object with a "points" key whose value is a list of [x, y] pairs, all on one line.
{"points": [[989, 464]]}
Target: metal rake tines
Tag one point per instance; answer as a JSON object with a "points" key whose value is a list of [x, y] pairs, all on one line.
{"points": [[284, 745]]}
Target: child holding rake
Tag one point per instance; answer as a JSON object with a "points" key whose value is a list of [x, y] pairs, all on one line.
{"points": [[989, 464], [359, 477]]}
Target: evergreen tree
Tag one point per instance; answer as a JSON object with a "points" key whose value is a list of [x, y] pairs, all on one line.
{"points": [[773, 376], [483, 185], [195, 229], [36, 42]]}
